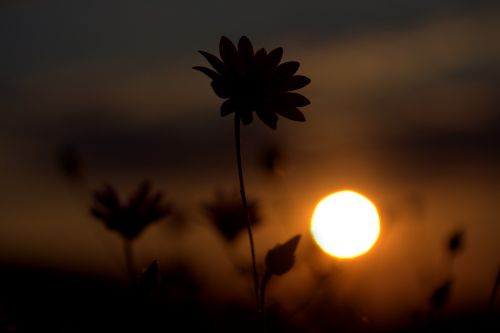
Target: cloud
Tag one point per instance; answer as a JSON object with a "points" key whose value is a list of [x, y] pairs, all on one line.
{"points": [[385, 60], [378, 89], [443, 73], [427, 148], [183, 142], [42, 35]]}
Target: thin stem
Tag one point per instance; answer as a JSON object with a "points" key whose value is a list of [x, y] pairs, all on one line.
{"points": [[129, 262], [245, 208], [263, 286], [493, 295]]}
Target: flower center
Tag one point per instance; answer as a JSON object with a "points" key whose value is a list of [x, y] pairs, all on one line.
{"points": [[250, 92]]}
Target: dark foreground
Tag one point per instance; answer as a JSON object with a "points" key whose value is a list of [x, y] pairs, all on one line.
{"points": [[36, 300]]}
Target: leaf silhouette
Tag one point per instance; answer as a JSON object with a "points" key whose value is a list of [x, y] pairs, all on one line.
{"points": [[280, 259], [150, 278], [441, 295]]}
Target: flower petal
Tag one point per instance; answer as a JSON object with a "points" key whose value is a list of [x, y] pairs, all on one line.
{"points": [[229, 55], [220, 89], [154, 201], [140, 195], [261, 53], [227, 49], [274, 57], [107, 198], [260, 58], [289, 99], [214, 61], [296, 82], [287, 69], [268, 117], [227, 108], [245, 50], [99, 214], [291, 113], [208, 72]]}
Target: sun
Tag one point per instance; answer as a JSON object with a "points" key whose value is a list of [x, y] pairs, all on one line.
{"points": [[345, 224]]}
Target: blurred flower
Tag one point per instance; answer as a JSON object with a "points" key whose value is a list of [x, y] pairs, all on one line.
{"points": [[228, 216], [441, 295], [272, 160], [129, 219], [71, 164], [257, 82], [281, 258], [456, 242]]}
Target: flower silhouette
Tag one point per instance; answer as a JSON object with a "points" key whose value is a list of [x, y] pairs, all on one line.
{"points": [[257, 82], [456, 242], [129, 219], [71, 164], [228, 215]]}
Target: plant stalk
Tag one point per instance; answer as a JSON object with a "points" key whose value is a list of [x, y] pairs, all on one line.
{"points": [[263, 286], [129, 262], [493, 296], [246, 212]]}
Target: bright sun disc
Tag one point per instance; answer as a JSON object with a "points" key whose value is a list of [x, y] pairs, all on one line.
{"points": [[345, 224]]}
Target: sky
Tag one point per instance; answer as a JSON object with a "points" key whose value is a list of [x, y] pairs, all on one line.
{"points": [[405, 109]]}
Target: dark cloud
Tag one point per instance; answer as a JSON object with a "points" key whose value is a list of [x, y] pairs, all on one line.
{"points": [[481, 70], [425, 150], [113, 140], [45, 34]]}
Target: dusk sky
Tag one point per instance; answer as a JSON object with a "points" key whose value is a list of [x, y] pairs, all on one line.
{"points": [[405, 109]]}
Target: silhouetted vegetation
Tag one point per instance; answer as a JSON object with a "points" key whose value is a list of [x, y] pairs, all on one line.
{"points": [[255, 82], [129, 219], [227, 214], [171, 295]]}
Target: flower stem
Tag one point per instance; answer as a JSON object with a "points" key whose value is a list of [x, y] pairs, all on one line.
{"points": [[246, 212], [129, 262], [494, 291], [263, 286]]}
